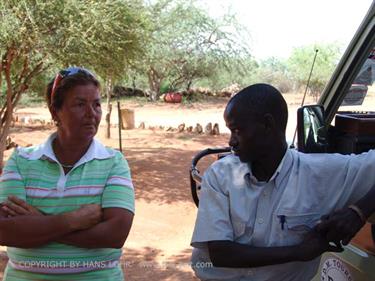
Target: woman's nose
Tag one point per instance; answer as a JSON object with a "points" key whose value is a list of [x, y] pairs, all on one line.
{"points": [[90, 110]]}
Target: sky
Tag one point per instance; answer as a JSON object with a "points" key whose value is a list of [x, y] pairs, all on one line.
{"points": [[278, 26]]}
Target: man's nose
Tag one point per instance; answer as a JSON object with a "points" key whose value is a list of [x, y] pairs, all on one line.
{"points": [[233, 141]]}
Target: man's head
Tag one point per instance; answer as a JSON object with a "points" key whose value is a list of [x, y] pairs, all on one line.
{"points": [[257, 118]]}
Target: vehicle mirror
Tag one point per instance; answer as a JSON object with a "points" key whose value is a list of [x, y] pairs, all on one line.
{"points": [[312, 132]]}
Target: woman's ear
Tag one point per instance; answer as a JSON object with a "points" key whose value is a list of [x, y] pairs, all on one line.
{"points": [[54, 115]]}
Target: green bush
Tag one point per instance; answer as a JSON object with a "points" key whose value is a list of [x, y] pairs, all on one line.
{"points": [[165, 87]]}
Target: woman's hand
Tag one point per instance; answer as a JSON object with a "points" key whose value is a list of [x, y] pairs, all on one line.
{"points": [[15, 206], [85, 217]]}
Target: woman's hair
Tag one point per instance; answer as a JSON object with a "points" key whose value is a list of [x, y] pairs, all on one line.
{"points": [[67, 83]]}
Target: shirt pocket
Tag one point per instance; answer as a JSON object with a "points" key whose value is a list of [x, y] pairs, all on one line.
{"points": [[296, 226]]}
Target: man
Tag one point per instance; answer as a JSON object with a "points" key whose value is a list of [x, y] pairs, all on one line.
{"points": [[259, 207]]}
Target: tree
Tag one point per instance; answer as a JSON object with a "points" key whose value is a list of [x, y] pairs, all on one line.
{"points": [[36, 35], [186, 44], [275, 71], [300, 61], [237, 71]]}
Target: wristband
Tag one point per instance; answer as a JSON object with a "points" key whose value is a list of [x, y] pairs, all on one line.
{"points": [[359, 212]]}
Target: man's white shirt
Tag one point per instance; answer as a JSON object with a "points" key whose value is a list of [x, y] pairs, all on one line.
{"points": [[235, 206]]}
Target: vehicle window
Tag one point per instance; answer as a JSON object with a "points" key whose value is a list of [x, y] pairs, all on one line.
{"points": [[360, 99], [361, 95]]}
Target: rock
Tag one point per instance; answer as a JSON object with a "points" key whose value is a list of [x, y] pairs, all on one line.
{"points": [[215, 130], [189, 129], [127, 92], [37, 121], [181, 128], [169, 129], [198, 129], [25, 120], [208, 129], [142, 126]]}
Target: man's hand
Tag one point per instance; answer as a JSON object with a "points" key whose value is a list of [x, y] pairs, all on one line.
{"points": [[85, 217], [340, 226], [17, 207], [314, 245]]}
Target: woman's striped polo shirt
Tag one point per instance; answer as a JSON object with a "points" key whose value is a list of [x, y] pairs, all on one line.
{"points": [[101, 176]]}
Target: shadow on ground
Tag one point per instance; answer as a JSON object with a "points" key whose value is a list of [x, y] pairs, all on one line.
{"points": [[161, 174], [142, 265]]}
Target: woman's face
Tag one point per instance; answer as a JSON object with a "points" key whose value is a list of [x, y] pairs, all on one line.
{"points": [[80, 114]]}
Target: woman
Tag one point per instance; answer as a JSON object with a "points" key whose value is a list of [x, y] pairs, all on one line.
{"points": [[67, 204]]}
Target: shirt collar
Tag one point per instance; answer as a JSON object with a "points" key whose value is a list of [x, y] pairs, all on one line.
{"points": [[279, 173], [96, 151]]}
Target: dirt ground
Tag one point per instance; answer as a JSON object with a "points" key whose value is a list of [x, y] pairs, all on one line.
{"points": [[158, 245]]}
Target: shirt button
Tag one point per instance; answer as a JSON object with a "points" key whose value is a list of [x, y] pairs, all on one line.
{"points": [[260, 221]]}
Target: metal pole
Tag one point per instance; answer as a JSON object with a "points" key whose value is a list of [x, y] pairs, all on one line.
{"points": [[308, 80], [119, 122], [304, 95]]}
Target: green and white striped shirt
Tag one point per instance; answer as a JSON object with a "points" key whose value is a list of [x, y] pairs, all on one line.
{"points": [[101, 176]]}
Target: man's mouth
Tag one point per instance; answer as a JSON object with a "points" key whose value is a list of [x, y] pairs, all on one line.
{"points": [[89, 125]]}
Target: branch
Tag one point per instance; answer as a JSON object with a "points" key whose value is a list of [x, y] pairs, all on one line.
{"points": [[7, 118], [1, 73], [25, 84]]}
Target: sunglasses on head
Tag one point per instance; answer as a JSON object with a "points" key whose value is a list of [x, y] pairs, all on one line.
{"points": [[65, 73]]}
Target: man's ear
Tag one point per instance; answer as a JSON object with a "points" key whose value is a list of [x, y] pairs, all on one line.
{"points": [[269, 122]]}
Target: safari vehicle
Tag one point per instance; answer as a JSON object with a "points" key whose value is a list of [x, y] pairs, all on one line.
{"points": [[343, 121]]}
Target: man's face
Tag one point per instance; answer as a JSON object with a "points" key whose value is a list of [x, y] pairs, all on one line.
{"points": [[248, 137]]}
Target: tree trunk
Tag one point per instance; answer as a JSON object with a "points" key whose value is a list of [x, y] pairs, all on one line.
{"points": [[154, 81], [6, 119], [109, 108], [14, 89]]}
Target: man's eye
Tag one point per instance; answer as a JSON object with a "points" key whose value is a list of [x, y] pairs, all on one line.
{"points": [[235, 131]]}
